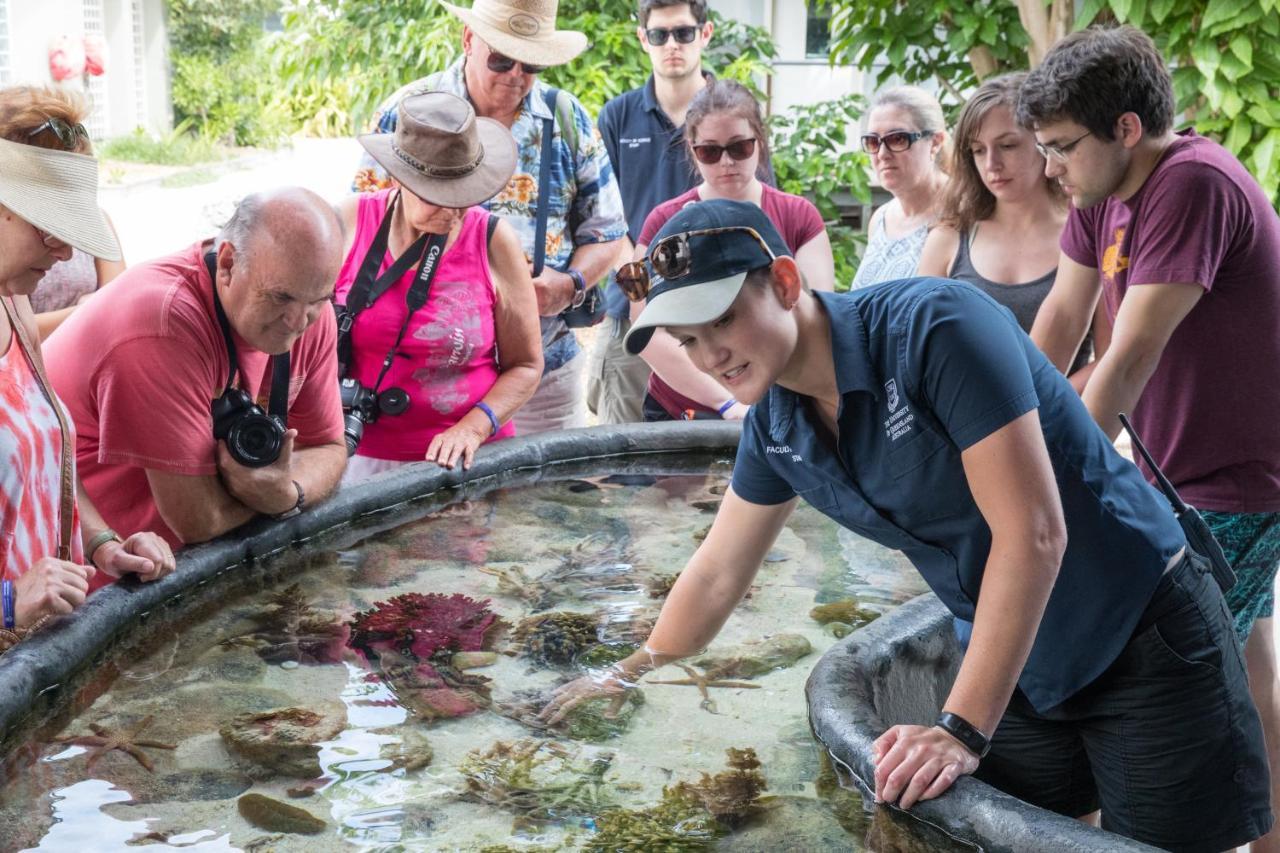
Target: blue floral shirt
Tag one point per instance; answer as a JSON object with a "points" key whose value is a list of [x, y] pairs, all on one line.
{"points": [[585, 205]]}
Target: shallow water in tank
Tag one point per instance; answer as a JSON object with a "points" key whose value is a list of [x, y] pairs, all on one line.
{"points": [[598, 547]]}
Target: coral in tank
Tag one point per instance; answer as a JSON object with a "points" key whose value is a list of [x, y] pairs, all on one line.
{"points": [[846, 611], [558, 638], [432, 691], [600, 564], [290, 629], [423, 625], [691, 815], [284, 741], [540, 780], [754, 658]]}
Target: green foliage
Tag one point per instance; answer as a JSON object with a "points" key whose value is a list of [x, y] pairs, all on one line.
{"points": [[178, 148], [1226, 74], [812, 156], [938, 40], [221, 75]]}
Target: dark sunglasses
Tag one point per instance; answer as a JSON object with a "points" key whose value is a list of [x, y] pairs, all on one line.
{"points": [[671, 258], [658, 36], [68, 134], [499, 64], [712, 154], [897, 141]]}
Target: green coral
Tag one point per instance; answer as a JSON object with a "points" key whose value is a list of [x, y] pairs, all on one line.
{"points": [[557, 639], [538, 779], [603, 655], [845, 610]]}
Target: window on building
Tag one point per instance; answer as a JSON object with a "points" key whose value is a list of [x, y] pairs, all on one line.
{"points": [[817, 37]]}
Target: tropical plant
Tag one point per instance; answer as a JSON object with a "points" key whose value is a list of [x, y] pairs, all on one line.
{"points": [[221, 77], [1226, 76], [812, 157]]}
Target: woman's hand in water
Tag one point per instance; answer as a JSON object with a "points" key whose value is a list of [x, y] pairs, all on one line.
{"points": [[613, 682]]}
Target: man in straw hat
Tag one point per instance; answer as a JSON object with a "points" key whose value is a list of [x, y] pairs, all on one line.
{"points": [[147, 371], [52, 542], [506, 44]]}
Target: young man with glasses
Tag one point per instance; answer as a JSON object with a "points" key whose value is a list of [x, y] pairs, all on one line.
{"points": [[1100, 666], [1184, 247], [643, 131], [505, 46]]}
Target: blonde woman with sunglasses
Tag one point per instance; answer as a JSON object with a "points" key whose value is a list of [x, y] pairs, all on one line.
{"points": [[726, 134], [906, 135]]}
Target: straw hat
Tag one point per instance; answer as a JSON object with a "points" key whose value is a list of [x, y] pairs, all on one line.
{"points": [[524, 30], [57, 192], [442, 153]]}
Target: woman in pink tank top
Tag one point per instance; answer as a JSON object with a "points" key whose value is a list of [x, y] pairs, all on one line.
{"points": [[442, 379]]}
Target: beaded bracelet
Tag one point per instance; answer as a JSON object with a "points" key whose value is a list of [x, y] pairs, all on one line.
{"points": [[7, 605], [493, 419], [728, 404]]}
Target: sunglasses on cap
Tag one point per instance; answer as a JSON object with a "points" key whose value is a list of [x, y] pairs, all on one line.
{"points": [[499, 64], [740, 150], [68, 134], [672, 258], [896, 141], [658, 36]]}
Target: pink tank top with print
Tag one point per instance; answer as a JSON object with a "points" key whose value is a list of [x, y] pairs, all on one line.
{"points": [[448, 359], [30, 470]]}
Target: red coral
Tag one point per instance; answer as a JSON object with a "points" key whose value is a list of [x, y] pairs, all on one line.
{"points": [[423, 625]]}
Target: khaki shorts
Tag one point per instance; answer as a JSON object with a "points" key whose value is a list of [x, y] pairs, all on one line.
{"points": [[617, 380]]}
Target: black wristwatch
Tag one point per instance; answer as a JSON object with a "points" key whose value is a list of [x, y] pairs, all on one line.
{"points": [[296, 508], [965, 732]]}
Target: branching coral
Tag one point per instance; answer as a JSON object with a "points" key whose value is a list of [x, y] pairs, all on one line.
{"points": [[289, 629], [423, 625], [539, 779]]}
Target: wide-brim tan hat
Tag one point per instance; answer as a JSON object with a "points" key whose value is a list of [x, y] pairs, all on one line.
{"points": [[57, 192], [524, 30], [443, 153]]}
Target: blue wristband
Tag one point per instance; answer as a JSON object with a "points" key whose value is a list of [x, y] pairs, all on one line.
{"points": [[493, 419], [728, 404], [6, 603], [579, 283]]}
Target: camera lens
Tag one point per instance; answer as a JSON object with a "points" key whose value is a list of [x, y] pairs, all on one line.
{"points": [[255, 441], [352, 430], [393, 401]]}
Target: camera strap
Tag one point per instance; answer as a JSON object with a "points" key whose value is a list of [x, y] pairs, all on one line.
{"points": [[369, 286], [278, 404]]}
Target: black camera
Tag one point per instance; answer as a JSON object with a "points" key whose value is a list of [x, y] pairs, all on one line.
{"points": [[254, 438], [362, 406]]}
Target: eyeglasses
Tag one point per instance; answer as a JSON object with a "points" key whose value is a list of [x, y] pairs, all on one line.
{"points": [[1060, 152], [499, 64], [712, 154], [671, 258], [896, 141], [68, 134], [658, 36]]}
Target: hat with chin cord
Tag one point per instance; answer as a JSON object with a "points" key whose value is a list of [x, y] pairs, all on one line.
{"points": [[699, 261]]}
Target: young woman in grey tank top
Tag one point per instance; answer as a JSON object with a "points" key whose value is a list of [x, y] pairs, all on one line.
{"points": [[1001, 216]]}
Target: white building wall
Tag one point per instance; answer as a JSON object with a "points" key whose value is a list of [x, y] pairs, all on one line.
{"points": [[132, 93]]}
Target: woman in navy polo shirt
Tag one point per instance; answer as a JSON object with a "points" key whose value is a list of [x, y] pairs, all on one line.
{"points": [[1101, 668]]}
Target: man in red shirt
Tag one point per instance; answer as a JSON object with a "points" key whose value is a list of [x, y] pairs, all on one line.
{"points": [[142, 364]]}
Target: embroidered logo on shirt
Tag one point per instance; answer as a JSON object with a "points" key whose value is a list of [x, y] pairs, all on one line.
{"points": [[900, 421], [635, 141], [784, 449]]}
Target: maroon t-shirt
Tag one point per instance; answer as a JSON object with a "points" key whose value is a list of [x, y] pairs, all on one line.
{"points": [[1211, 412], [797, 221]]}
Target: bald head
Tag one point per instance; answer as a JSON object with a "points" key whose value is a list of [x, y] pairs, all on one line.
{"points": [[278, 258]]}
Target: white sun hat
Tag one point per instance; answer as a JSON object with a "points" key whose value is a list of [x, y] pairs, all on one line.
{"points": [[57, 192]]}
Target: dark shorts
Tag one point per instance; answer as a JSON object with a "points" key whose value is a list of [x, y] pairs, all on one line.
{"points": [[1251, 543], [1166, 741]]}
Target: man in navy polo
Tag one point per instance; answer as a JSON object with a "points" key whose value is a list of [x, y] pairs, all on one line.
{"points": [[1101, 668], [643, 131]]}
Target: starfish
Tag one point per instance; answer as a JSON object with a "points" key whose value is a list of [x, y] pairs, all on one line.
{"points": [[104, 740], [703, 681]]}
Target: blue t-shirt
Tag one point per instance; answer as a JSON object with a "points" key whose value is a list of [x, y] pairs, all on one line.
{"points": [[649, 158], [925, 369]]}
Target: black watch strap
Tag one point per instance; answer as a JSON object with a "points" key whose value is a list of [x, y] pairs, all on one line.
{"points": [[965, 732]]}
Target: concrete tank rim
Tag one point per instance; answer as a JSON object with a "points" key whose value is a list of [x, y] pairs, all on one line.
{"points": [[971, 811]]}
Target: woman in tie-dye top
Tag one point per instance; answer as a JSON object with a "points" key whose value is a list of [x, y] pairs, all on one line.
{"points": [[46, 176]]}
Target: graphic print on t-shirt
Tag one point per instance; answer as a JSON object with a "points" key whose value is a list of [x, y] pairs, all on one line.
{"points": [[1113, 262]]}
